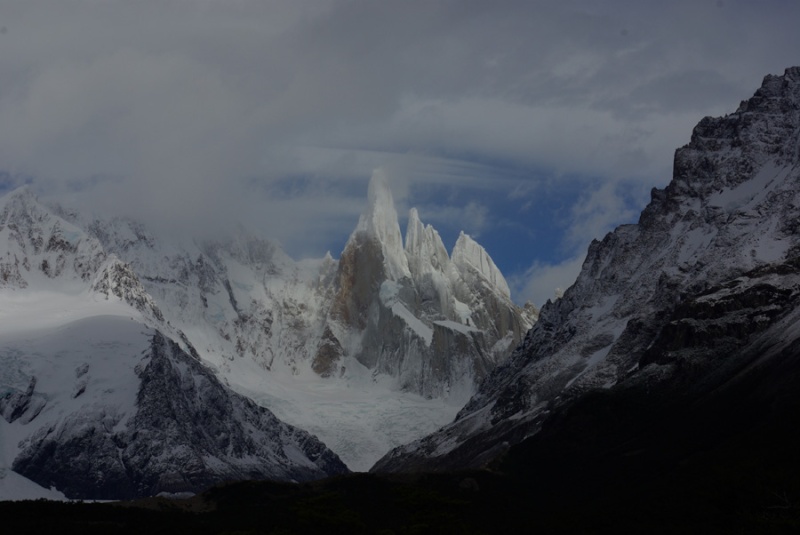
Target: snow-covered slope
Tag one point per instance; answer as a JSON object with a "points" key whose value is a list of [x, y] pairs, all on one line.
{"points": [[96, 399], [703, 287]]}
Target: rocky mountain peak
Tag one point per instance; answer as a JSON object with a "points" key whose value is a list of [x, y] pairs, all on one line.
{"points": [[21, 207], [379, 222], [777, 94], [22, 194], [38, 245], [727, 153], [432, 322]]}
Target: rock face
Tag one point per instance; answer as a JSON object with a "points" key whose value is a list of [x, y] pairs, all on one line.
{"points": [[700, 293], [184, 432], [116, 278]]}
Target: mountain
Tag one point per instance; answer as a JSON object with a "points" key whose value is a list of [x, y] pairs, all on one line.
{"points": [[672, 323], [414, 313], [136, 363], [658, 395], [97, 400]]}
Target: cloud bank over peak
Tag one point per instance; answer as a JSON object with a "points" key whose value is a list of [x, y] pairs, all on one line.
{"points": [[275, 113]]}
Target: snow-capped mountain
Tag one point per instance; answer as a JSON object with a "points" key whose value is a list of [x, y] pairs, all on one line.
{"points": [[198, 342], [411, 311], [96, 401], [42, 250], [703, 293]]}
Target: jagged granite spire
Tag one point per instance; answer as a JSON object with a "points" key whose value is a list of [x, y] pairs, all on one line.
{"points": [[379, 221], [472, 259], [424, 248], [413, 313]]}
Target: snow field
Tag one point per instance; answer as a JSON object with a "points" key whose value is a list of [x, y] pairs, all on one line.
{"points": [[358, 416]]}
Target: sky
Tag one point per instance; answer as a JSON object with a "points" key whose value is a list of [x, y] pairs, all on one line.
{"points": [[534, 126]]}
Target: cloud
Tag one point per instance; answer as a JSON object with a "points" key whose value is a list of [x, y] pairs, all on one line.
{"points": [[194, 114], [598, 211], [542, 281], [473, 218], [575, 139]]}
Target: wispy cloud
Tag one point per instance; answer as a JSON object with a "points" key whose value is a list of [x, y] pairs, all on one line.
{"points": [[598, 211], [543, 281]]}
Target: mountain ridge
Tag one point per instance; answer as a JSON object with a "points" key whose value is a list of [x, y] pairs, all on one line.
{"points": [[722, 232]]}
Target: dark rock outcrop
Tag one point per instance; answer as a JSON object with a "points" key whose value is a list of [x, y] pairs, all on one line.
{"points": [[187, 433]]}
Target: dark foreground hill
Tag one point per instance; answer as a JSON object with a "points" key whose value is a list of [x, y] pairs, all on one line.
{"points": [[612, 463]]}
